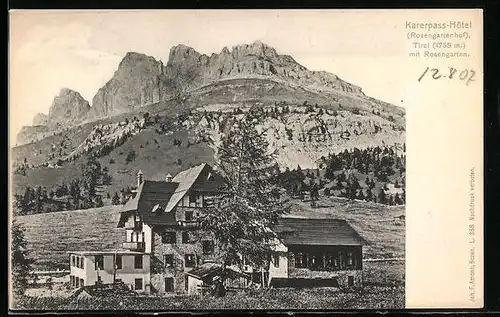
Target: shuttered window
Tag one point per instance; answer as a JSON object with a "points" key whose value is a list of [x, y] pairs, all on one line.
{"points": [[138, 261], [99, 262], [138, 284], [189, 260], [118, 262], [169, 284]]}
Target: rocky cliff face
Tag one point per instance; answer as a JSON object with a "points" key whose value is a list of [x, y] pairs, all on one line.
{"points": [[40, 119], [141, 80], [247, 61], [138, 81], [29, 134], [68, 109], [301, 136]]}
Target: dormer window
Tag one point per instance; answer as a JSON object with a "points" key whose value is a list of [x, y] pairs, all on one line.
{"points": [[157, 209]]}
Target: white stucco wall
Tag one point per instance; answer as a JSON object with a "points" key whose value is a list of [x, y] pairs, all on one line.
{"points": [[127, 273], [193, 284], [280, 271]]}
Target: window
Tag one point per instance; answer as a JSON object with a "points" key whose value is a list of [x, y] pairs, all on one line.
{"points": [[315, 261], [192, 198], [350, 281], [189, 260], [138, 262], [82, 282], [73, 262], [185, 237], [82, 260], [341, 265], [300, 260], [329, 260], [118, 262], [77, 282], [72, 281], [189, 215], [99, 262], [276, 260], [168, 237], [168, 259], [208, 246], [138, 284], [169, 284], [350, 259]]}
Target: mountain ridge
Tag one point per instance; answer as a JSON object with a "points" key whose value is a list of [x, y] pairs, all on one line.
{"points": [[142, 80]]}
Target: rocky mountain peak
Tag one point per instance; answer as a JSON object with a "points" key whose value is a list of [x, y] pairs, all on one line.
{"points": [[40, 119], [68, 108], [133, 57], [257, 48], [182, 53]]}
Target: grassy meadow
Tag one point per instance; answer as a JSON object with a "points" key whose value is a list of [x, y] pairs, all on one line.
{"points": [[370, 297], [51, 235]]}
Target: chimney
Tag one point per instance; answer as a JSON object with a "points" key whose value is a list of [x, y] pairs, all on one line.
{"points": [[168, 178], [139, 178]]}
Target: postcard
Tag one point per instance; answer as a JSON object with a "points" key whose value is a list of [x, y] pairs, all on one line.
{"points": [[171, 160]]}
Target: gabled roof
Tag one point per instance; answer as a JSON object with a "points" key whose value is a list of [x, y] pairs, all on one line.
{"points": [[149, 194], [315, 231], [208, 271], [185, 179], [155, 200]]}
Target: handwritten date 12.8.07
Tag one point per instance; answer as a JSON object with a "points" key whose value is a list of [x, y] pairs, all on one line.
{"points": [[466, 75]]}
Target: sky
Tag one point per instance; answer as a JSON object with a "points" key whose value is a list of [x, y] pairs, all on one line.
{"points": [[79, 50]]}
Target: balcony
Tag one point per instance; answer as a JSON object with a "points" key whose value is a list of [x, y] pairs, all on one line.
{"points": [[188, 223], [135, 225], [134, 246]]}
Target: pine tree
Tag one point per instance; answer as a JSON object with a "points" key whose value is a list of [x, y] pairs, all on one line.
{"points": [[241, 218], [369, 195], [314, 194], [382, 197], [327, 191], [21, 264], [397, 199], [391, 200], [98, 201], [38, 199], [116, 199], [361, 196]]}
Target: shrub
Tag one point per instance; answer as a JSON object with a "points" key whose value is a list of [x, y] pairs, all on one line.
{"points": [[130, 156]]}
